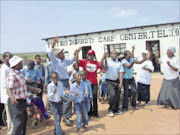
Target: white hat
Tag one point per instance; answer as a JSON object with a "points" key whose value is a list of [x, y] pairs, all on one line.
{"points": [[145, 51], [172, 49], [57, 51], [14, 61]]}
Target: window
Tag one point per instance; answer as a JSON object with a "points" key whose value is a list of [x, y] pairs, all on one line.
{"points": [[120, 48]]}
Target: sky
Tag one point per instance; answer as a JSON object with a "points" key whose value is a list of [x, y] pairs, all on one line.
{"points": [[25, 23]]}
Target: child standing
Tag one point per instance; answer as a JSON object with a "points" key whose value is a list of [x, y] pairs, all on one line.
{"points": [[86, 82], [103, 88], [55, 91], [78, 91]]}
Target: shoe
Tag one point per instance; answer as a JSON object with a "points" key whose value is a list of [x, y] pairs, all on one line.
{"points": [[139, 103], [68, 122], [124, 109], [119, 112], [84, 127], [146, 104], [96, 115], [136, 107], [78, 131], [46, 118], [111, 114]]}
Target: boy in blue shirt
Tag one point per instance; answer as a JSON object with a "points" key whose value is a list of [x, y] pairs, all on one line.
{"points": [[78, 92], [86, 82], [54, 92]]}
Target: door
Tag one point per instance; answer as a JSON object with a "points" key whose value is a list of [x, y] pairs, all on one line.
{"points": [[85, 50], [152, 47]]}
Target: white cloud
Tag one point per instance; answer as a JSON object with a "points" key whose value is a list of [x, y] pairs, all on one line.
{"points": [[126, 13]]}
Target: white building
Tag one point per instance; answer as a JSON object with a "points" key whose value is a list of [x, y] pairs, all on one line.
{"points": [[151, 37]]}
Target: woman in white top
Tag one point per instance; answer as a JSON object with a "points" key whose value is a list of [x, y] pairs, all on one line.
{"points": [[144, 78], [170, 89]]}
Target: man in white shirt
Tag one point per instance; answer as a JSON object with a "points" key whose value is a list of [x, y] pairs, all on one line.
{"points": [[144, 78], [5, 70]]}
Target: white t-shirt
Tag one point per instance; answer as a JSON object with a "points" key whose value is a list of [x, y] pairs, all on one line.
{"points": [[144, 76], [5, 70], [170, 74]]}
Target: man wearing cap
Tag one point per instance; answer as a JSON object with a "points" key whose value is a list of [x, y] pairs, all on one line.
{"points": [[170, 88], [59, 64], [144, 78], [17, 92]]}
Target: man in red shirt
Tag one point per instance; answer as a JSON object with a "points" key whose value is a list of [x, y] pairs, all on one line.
{"points": [[91, 66], [17, 92]]}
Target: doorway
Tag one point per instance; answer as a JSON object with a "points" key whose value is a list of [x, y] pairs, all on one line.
{"points": [[85, 50], [152, 47]]}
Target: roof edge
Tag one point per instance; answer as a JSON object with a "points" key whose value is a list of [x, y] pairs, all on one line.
{"points": [[172, 23]]}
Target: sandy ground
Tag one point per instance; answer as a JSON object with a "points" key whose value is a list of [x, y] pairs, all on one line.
{"points": [[152, 119]]}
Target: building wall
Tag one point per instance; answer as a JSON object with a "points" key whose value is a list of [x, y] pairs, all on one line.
{"points": [[166, 34]]}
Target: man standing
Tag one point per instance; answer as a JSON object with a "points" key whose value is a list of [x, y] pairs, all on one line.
{"points": [[5, 70], [114, 81], [59, 64], [40, 68], [17, 92]]}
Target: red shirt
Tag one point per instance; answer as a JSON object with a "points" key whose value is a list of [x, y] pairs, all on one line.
{"points": [[91, 67]]}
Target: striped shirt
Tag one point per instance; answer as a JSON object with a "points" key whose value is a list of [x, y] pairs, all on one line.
{"points": [[17, 83]]}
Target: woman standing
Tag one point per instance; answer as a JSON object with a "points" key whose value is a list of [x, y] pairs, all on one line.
{"points": [[144, 78], [91, 66], [170, 88]]}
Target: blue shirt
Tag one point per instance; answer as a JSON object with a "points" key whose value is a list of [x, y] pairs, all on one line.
{"points": [[57, 96], [114, 68], [48, 71], [128, 72], [32, 74], [80, 90], [88, 85], [60, 66], [39, 70]]}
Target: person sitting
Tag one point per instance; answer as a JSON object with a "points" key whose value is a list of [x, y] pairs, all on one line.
{"points": [[32, 77]]}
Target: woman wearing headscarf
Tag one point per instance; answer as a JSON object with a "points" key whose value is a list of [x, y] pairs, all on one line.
{"points": [[170, 88]]}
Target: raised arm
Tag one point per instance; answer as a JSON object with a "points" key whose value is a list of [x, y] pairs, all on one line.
{"points": [[51, 54], [77, 55], [102, 60], [157, 57], [133, 48]]}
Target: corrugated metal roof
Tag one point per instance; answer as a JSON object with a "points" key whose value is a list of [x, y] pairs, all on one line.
{"points": [[172, 23]]}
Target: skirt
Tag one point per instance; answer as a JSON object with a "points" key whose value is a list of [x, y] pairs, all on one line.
{"points": [[170, 93], [143, 92]]}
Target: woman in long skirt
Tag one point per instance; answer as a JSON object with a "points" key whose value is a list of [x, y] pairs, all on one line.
{"points": [[170, 88], [144, 78]]}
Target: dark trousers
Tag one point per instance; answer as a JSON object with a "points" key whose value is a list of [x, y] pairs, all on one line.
{"points": [[18, 115], [126, 83], [41, 86], [1, 110], [67, 101], [94, 105], [113, 94]]}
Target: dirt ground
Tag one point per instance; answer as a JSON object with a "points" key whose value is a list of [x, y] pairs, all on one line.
{"points": [[152, 119]]}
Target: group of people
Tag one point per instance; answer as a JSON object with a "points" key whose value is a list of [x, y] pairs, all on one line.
{"points": [[78, 92]]}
